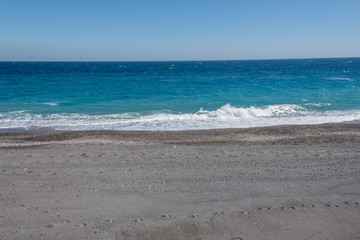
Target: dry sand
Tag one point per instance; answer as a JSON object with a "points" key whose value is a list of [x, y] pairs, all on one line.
{"points": [[287, 182]]}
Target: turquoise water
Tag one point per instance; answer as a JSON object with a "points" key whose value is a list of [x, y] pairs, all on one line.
{"points": [[178, 95]]}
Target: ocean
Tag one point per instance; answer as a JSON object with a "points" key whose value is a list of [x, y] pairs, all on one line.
{"points": [[186, 95]]}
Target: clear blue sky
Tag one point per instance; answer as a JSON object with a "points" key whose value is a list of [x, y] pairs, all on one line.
{"points": [[100, 30]]}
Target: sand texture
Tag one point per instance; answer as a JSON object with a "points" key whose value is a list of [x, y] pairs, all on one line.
{"points": [[286, 182]]}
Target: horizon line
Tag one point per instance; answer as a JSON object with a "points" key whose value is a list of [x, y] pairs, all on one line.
{"points": [[195, 60]]}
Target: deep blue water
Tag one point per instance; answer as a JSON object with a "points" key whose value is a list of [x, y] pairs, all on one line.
{"points": [[178, 95]]}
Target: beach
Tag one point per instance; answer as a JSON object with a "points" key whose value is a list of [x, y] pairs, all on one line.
{"points": [[282, 182]]}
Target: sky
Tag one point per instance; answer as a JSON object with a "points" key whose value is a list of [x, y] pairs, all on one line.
{"points": [[165, 30]]}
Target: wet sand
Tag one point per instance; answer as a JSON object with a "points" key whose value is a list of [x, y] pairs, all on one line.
{"points": [[286, 182]]}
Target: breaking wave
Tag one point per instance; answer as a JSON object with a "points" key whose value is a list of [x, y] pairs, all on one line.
{"points": [[225, 117]]}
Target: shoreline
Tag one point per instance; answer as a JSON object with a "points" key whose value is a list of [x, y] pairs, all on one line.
{"points": [[178, 124], [182, 136], [281, 182]]}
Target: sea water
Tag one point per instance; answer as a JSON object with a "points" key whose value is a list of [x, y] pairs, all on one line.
{"points": [[158, 96]]}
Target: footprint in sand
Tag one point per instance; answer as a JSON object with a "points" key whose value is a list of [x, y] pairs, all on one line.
{"points": [[166, 216], [49, 226], [194, 216], [80, 225], [138, 220], [219, 213]]}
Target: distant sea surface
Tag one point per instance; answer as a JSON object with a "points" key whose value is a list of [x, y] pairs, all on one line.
{"points": [[158, 96]]}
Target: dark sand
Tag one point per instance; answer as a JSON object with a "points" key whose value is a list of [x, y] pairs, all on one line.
{"points": [[288, 182]]}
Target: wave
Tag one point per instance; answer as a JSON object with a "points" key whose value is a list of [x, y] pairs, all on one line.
{"points": [[318, 104], [51, 104], [225, 117], [228, 111], [340, 79]]}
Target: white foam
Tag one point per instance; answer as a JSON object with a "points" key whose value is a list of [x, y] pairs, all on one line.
{"points": [[225, 117], [340, 79], [51, 104], [229, 112], [317, 104]]}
